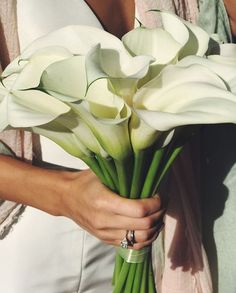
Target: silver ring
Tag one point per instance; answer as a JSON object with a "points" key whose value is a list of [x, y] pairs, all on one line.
{"points": [[131, 237], [125, 243]]}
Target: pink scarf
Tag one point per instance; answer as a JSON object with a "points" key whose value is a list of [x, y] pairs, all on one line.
{"points": [[18, 141], [180, 260]]}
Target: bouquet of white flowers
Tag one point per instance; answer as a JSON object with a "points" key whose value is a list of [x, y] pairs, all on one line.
{"points": [[124, 107]]}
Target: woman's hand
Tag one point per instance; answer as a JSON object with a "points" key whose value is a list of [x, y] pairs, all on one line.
{"points": [[107, 215], [81, 197]]}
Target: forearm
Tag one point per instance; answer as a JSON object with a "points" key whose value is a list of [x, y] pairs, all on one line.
{"points": [[231, 9], [23, 183]]}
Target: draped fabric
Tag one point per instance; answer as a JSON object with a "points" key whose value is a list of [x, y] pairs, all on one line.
{"points": [[187, 9], [219, 174], [214, 19], [19, 142]]}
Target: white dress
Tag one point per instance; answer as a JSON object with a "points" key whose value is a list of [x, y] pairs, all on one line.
{"points": [[43, 253]]}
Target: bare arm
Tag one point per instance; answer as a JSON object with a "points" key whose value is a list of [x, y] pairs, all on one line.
{"points": [[81, 197], [231, 9]]}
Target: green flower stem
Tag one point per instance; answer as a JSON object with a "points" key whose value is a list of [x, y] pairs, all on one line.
{"points": [[111, 169], [118, 266], [95, 167], [138, 278], [151, 175], [167, 166], [137, 180], [151, 282], [144, 279], [130, 280], [123, 172], [106, 174], [122, 278]]}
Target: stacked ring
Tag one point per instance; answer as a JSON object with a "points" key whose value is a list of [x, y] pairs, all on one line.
{"points": [[128, 240]]}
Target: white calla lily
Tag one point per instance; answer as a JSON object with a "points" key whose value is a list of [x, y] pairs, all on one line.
{"points": [[64, 138], [81, 130], [173, 41], [143, 135], [194, 39], [107, 117], [184, 96], [27, 108], [78, 39], [33, 67], [153, 42], [119, 67], [66, 79], [15, 66], [223, 66]]}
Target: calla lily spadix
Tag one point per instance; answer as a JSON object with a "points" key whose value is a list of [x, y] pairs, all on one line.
{"points": [[184, 96]]}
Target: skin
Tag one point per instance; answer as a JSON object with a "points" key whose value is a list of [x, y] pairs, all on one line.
{"points": [[79, 195], [118, 18], [231, 9]]}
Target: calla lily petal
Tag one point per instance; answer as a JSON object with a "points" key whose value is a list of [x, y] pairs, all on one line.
{"points": [[153, 42], [197, 43], [227, 55], [103, 103], [112, 135], [222, 66], [28, 108], [185, 101], [32, 71], [78, 39], [66, 79], [194, 39], [64, 138], [119, 67], [141, 134], [14, 67], [76, 125]]}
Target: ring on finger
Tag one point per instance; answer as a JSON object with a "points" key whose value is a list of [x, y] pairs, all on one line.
{"points": [[125, 242], [131, 237]]}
